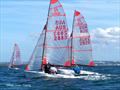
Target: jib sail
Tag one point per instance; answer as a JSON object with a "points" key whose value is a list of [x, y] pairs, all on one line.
{"points": [[36, 57]]}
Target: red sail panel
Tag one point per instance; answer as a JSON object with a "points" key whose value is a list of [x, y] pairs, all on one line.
{"points": [[69, 63], [56, 35], [81, 49], [54, 1], [91, 63], [36, 57], [77, 13]]}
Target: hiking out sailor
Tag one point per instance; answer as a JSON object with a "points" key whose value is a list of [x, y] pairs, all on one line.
{"points": [[77, 69], [47, 68]]}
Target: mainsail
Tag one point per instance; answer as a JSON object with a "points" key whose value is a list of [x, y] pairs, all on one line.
{"points": [[56, 46], [81, 44], [15, 59]]}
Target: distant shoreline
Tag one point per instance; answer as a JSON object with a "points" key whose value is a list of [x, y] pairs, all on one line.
{"points": [[98, 63]]}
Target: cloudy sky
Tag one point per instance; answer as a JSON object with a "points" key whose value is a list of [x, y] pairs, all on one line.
{"points": [[21, 21]]}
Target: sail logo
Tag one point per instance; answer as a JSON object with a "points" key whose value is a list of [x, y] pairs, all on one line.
{"points": [[82, 26], [84, 40], [60, 30], [55, 12]]}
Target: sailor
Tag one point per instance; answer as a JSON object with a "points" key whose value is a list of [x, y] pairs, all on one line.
{"points": [[47, 68], [12, 66], [77, 69]]}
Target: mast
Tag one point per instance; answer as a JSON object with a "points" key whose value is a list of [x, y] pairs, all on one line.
{"points": [[13, 55], [72, 38], [12, 58], [45, 35]]}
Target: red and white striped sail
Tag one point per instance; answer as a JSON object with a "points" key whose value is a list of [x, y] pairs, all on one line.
{"points": [[81, 43], [36, 57], [56, 35], [15, 59]]}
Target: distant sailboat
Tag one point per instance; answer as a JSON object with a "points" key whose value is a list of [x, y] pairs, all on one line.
{"points": [[15, 61]]}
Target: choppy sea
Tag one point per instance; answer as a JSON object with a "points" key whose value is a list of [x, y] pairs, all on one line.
{"points": [[16, 80]]}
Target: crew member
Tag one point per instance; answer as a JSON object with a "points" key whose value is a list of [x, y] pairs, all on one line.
{"points": [[47, 68], [77, 69]]}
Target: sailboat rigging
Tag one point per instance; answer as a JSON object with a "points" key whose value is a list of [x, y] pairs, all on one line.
{"points": [[54, 46]]}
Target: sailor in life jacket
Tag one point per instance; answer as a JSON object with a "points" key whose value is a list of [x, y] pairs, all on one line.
{"points": [[47, 68], [77, 69], [45, 65], [50, 69]]}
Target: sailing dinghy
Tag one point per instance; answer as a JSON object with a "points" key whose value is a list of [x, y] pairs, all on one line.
{"points": [[53, 41], [53, 47], [80, 52], [15, 61]]}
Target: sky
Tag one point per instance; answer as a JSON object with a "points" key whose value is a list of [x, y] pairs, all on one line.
{"points": [[21, 21]]}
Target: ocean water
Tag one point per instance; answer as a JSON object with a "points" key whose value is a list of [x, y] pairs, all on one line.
{"points": [[16, 80]]}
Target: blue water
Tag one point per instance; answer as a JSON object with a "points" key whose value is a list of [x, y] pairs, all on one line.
{"points": [[16, 80]]}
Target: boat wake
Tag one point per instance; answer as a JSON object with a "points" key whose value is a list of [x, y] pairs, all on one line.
{"points": [[17, 85], [96, 77]]}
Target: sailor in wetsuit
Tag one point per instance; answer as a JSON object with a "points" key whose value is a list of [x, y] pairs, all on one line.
{"points": [[77, 70], [47, 68]]}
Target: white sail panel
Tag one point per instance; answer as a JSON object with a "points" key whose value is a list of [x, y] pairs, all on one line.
{"points": [[36, 57]]}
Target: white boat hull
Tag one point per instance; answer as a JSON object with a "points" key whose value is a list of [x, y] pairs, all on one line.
{"points": [[40, 74], [36, 74]]}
